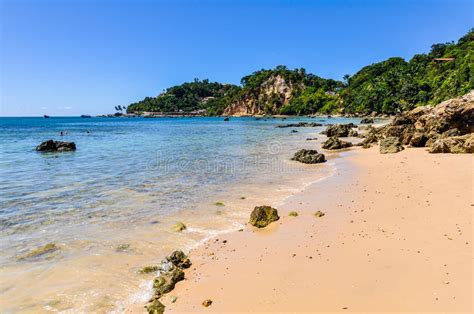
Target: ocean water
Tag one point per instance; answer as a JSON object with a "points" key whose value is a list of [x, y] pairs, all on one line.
{"points": [[110, 206]]}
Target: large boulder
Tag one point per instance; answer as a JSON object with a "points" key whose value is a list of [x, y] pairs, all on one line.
{"points": [[56, 146], [453, 113], [454, 145], [309, 156], [418, 139], [335, 143], [262, 216], [339, 130], [390, 145]]}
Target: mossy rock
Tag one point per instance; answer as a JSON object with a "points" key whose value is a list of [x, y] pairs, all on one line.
{"points": [[179, 226], [293, 214], [122, 247], [309, 156], [46, 249], [335, 143], [242, 197], [319, 214], [179, 259], [156, 307], [219, 204], [148, 269], [390, 145], [166, 281], [262, 216]]}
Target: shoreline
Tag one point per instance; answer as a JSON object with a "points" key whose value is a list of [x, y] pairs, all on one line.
{"points": [[278, 268]]}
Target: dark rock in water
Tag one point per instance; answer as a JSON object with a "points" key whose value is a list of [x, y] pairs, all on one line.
{"points": [[300, 125], [226, 119], [367, 121], [418, 139], [309, 156], [167, 280], [56, 146], [179, 259], [156, 307], [262, 216], [335, 143], [207, 303], [311, 139], [455, 145], [339, 130], [294, 131], [46, 249], [390, 145]]}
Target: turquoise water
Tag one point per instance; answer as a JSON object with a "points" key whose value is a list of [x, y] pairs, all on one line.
{"points": [[128, 173]]}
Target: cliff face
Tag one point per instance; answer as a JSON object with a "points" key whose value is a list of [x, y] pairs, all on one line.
{"points": [[269, 97]]}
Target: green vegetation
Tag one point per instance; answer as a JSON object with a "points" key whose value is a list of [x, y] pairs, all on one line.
{"points": [[395, 85], [389, 86], [293, 214], [186, 97]]}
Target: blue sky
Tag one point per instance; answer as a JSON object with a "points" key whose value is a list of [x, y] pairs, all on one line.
{"points": [[85, 57]]}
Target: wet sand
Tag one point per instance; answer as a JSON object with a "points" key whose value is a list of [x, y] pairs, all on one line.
{"points": [[396, 237]]}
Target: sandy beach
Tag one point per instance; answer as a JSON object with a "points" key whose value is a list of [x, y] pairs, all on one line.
{"points": [[396, 237]]}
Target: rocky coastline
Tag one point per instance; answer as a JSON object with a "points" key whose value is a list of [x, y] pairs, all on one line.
{"points": [[445, 128]]}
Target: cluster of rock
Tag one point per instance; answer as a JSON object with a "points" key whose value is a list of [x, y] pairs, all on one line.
{"points": [[300, 125], [335, 143], [445, 128], [309, 156], [341, 130], [56, 146], [170, 272]]}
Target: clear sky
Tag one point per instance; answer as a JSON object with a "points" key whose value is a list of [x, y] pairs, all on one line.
{"points": [[71, 57]]}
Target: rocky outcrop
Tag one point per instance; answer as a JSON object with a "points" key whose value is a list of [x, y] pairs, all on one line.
{"points": [[300, 125], [390, 145], [56, 146], [262, 216], [270, 96], [170, 273], [309, 156], [340, 130], [447, 125], [454, 144], [335, 143]]}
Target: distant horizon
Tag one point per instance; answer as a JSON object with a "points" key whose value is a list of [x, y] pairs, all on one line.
{"points": [[86, 57]]}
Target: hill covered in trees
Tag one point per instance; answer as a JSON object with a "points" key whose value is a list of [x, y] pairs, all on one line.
{"points": [[186, 97], [389, 86]]}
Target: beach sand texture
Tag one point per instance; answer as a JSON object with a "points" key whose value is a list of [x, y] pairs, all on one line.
{"points": [[396, 237]]}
